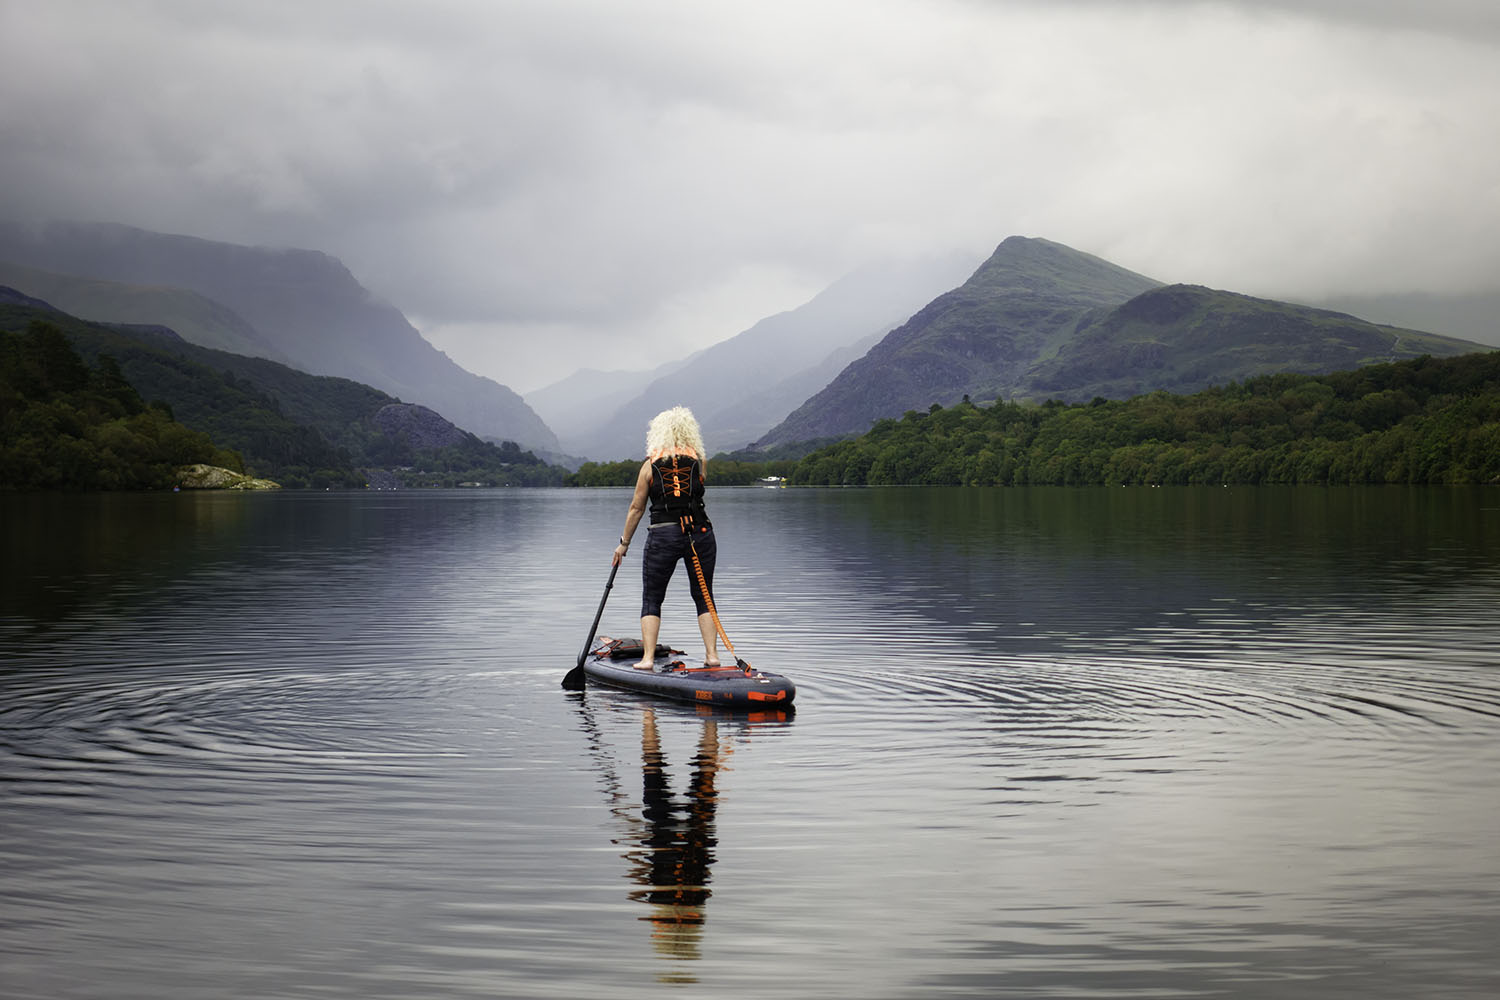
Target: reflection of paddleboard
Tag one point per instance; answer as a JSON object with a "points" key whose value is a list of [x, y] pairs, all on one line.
{"points": [[727, 686]]}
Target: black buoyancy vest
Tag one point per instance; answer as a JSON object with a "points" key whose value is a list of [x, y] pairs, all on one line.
{"points": [[677, 492]]}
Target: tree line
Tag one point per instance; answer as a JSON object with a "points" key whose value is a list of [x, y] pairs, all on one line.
{"points": [[722, 471], [67, 426], [266, 419], [470, 461], [1423, 421], [1432, 421]]}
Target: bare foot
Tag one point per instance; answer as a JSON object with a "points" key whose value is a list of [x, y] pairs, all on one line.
{"points": [[712, 663], [644, 665]]}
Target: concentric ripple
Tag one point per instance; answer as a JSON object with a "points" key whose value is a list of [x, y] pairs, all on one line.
{"points": [[77, 736], [1060, 743]]}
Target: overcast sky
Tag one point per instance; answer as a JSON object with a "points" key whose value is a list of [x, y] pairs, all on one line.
{"points": [[542, 185]]}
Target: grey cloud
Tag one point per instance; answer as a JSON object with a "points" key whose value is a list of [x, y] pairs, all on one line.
{"points": [[1456, 18], [631, 178]]}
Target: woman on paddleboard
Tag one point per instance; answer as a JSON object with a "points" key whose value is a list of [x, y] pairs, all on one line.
{"points": [[671, 483]]}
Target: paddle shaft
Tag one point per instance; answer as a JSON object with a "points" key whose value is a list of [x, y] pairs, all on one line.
{"points": [[574, 678]]}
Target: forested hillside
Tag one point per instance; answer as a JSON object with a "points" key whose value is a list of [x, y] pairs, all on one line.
{"points": [[66, 426], [306, 305], [298, 429], [1042, 321], [1421, 421], [1027, 296]]}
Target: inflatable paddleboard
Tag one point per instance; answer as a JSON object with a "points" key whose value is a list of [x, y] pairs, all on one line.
{"points": [[611, 661]]}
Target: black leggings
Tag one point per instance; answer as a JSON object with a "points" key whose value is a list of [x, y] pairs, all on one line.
{"points": [[665, 547]]}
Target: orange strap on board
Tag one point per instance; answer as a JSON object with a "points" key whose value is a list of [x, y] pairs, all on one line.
{"points": [[709, 600]]}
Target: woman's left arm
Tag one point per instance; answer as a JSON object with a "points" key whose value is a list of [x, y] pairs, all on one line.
{"points": [[637, 509]]}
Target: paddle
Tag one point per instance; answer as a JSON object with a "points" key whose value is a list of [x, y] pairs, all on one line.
{"points": [[575, 679]]}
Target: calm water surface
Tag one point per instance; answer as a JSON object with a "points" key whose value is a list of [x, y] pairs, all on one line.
{"points": [[1049, 743]]}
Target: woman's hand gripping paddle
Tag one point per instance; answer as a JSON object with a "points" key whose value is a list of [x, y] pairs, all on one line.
{"points": [[575, 679]]}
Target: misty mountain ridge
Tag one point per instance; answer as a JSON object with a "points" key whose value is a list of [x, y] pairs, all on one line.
{"points": [[303, 304], [578, 405], [1035, 320], [1016, 306], [287, 424], [1040, 320], [196, 318], [1184, 338], [739, 388], [1470, 316]]}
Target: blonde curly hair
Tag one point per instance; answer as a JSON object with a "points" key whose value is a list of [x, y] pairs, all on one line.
{"points": [[675, 432]]}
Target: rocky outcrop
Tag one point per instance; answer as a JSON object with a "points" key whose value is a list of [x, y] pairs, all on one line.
{"points": [[424, 429], [212, 477], [381, 479]]}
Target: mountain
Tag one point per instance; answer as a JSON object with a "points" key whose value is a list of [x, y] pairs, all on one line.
{"points": [[1474, 316], [739, 388], [196, 318], [1017, 307], [794, 390], [304, 305], [1040, 321], [1185, 338], [288, 425], [577, 406]]}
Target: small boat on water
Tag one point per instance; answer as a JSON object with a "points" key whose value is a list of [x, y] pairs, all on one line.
{"points": [[728, 685]]}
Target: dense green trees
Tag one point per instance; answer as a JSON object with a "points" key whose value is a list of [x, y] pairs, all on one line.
{"points": [[621, 473], [64, 425], [1420, 421], [471, 462], [734, 472], [721, 472], [298, 429]]}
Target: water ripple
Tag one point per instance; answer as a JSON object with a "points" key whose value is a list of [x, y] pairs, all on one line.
{"points": [[274, 746], [79, 736]]}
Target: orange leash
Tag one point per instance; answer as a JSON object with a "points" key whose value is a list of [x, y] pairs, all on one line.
{"points": [[709, 600], [678, 480]]}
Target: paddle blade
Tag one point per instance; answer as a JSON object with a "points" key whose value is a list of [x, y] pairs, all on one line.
{"points": [[575, 679]]}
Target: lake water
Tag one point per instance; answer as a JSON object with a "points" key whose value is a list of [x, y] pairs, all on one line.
{"points": [[1048, 743]]}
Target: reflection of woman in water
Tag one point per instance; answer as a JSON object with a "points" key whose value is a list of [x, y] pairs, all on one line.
{"points": [[677, 843], [670, 841]]}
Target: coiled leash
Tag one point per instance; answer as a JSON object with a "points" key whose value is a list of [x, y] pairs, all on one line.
{"points": [[709, 600], [677, 483]]}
